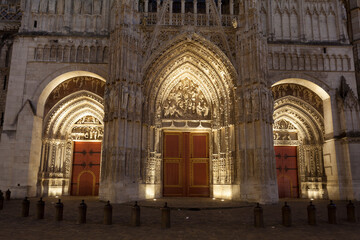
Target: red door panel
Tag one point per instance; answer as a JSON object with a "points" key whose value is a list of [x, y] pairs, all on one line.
{"points": [[186, 164], [86, 169], [174, 184], [286, 169], [199, 165]]}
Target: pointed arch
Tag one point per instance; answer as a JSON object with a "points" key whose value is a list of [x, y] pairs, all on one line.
{"points": [[198, 59]]}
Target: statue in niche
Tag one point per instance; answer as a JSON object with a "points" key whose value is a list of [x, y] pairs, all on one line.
{"points": [[35, 6], [52, 6], [138, 102], [87, 6], [60, 7], [44, 6], [186, 101], [131, 101], [344, 21], [97, 6], [124, 97], [77, 6]]}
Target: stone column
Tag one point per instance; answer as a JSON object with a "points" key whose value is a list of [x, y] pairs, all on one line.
{"points": [[170, 12], [182, 6], [207, 6], [231, 7], [219, 7], [146, 3]]}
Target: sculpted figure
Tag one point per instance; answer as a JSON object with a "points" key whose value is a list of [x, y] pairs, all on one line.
{"points": [[35, 5], [44, 6], [87, 6], [97, 6], [344, 20], [77, 6], [125, 97], [138, 102]]}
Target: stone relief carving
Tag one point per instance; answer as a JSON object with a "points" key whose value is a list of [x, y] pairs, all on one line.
{"points": [[300, 92], [73, 85], [186, 101], [87, 128]]}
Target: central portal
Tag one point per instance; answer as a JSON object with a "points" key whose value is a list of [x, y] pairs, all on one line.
{"points": [[186, 164]]}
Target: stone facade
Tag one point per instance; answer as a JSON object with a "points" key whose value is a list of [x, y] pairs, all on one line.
{"points": [[252, 74]]}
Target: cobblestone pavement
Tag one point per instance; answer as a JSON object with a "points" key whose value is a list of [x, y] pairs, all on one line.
{"points": [[191, 218]]}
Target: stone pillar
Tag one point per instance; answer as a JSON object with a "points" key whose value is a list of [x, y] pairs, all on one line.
{"points": [[182, 6], [254, 117], [146, 7], [231, 7], [219, 7], [170, 12], [207, 6], [123, 115]]}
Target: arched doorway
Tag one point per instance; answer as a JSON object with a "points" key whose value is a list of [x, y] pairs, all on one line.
{"points": [[72, 136], [189, 120], [298, 141]]}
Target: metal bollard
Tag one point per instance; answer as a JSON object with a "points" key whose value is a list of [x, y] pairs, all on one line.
{"points": [[165, 216], [331, 212], [59, 210], [40, 209], [311, 210], [258, 216], [1, 200], [25, 207], [8, 195], [135, 215], [82, 213], [350, 207], [108, 214], [286, 215]]}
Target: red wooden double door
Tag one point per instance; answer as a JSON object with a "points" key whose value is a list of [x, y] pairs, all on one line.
{"points": [[286, 169], [86, 169], [186, 164]]}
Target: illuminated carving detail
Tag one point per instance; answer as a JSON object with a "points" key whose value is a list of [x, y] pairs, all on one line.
{"points": [[300, 92], [73, 85], [88, 128], [186, 101]]}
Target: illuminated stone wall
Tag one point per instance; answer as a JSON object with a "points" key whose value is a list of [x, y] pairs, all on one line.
{"points": [[181, 66]]}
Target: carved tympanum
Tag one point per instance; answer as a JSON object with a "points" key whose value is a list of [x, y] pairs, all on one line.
{"points": [[186, 101], [87, 128]]}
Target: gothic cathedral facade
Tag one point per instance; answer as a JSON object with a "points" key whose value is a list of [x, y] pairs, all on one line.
{"points": [[250, 100]]}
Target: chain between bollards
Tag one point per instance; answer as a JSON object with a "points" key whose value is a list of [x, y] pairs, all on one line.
{"points": [[40, 209], [331, 212], [108, 213], [135, 215], [82, 213], [258, 216], [311, 210], [165, 217], [59, 210]]}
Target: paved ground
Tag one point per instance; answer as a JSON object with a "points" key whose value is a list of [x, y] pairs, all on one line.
{"points": [[195, 218]]}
